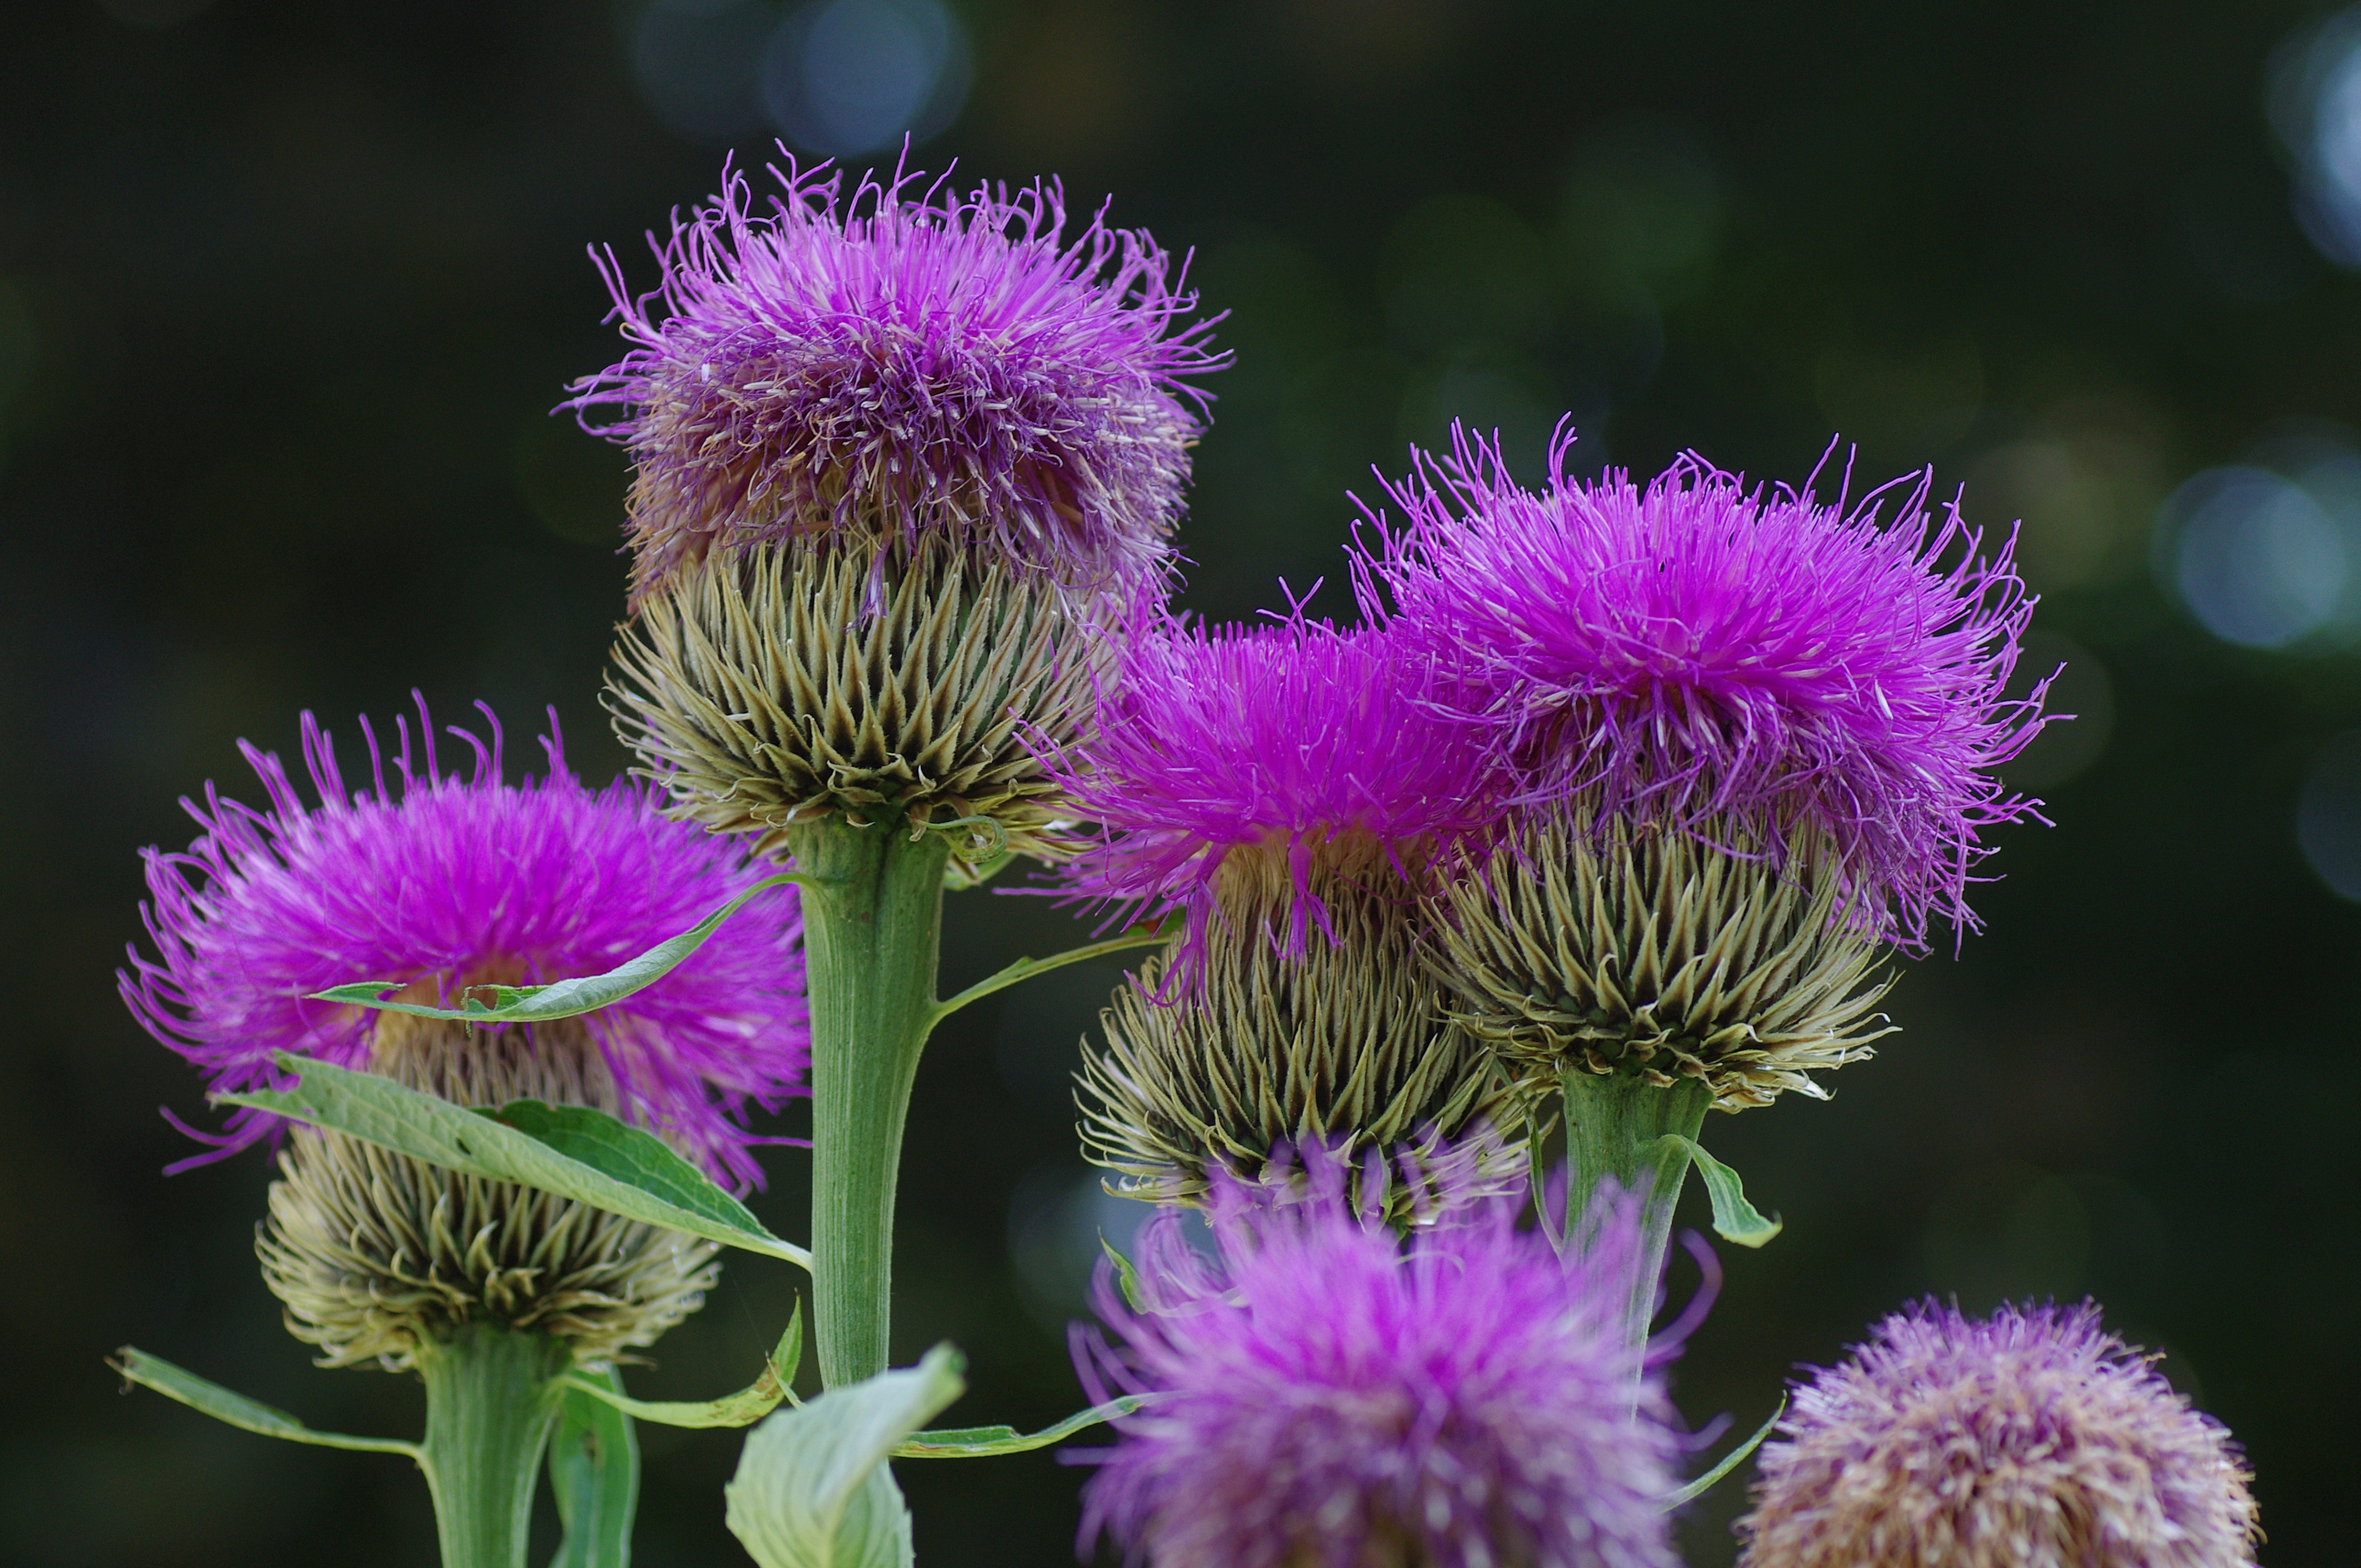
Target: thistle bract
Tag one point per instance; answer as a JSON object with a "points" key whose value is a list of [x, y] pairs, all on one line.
{"points": [[910, 359], [2032, 1439], [1729, 659], [1331, 1394]]}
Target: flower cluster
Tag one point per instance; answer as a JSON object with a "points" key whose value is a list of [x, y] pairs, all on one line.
{"points": [[1328, 1392], [906, 359], [444, 882]]}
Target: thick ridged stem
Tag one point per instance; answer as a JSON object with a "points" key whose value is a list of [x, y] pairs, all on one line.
{"points": [[873, 930], [492, 1397], [1614, 1126]]}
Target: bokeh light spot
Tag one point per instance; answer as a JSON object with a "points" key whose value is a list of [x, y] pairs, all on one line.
{"points": [[2328, 816], [852, 76], [2255, 559]]}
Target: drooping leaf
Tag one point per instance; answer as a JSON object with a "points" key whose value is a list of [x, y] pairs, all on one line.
{"points": [[560, 999], [1729, 1462], [1734, 1218], [977, 1442], [744, 1409], [236, 1409], [594, 1471], [813, 1489], [595, 1158]]}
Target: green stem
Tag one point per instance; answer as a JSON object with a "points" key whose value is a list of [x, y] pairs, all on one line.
{"points": [[492, 1395], [872, 934], [1614, 1124]]}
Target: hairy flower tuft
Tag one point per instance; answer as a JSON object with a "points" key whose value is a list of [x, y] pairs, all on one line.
{"points": [[447, 882], [1293, 743], [906, 360], [2032, 1439], [1695, 652], [1333, 1395]]}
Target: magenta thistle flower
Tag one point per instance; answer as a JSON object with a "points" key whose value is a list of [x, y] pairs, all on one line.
{"points": [[903, 363], [2033, 1439], [1329, 1394], [1293, 743], [449, 882], [1696, 650]]}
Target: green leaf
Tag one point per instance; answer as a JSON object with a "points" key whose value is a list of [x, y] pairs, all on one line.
{"points": [[744, 1409], [1730, 1461], [1126, 1274], [236, 1409], [813, 1489], [594, 1471], [560, 999], [1025, 969], [590, 1155], [1734, 1218], [976, 1443]]}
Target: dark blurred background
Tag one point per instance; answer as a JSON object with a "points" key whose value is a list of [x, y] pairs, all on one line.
{"points": [[287, 293]]}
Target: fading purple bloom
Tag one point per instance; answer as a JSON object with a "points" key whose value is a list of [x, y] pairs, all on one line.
{"points": [[1697, 650], [451, 882], [1291, 743], [2033, 1439], [905, 363], [1331, 1396]]}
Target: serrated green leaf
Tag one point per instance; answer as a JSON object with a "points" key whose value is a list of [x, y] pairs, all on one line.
{"points": [[560, 999], [978, 1443], [602, 1162], [236, 1410], [594, 1471], [1729, 1462], [1734, 1218], [744, 1409], [813, 1489]]}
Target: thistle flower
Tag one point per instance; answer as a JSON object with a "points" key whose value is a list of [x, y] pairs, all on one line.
{"points": [[1272, 783], [2032, 1439], [1735, 664], [894, 364], [1329, 1394], [449, 882]]}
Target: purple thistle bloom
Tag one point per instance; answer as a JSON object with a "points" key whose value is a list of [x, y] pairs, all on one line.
{"points": [[903, 364], [2032, 1439], [1295, 741], [1329, 1394], [1696, 650], [466, 882]]}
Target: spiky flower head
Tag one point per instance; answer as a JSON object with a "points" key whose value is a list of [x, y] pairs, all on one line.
{"points": [[908, 359], [1251, 756], [1344, 1045], [785, 684], [448, 881], [1724, 659], [1597, 946], [1333, 1395], [2032, 1439]]}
